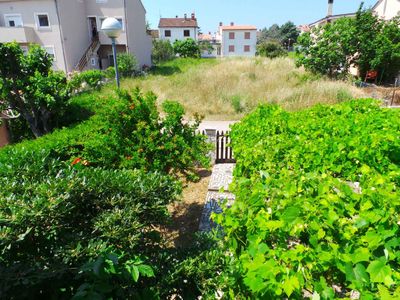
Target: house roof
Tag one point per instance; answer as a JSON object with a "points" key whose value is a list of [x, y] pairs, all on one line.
{"points": [[376, 4], [333, 17], [178, 22], [239, 27], [154, 33]]}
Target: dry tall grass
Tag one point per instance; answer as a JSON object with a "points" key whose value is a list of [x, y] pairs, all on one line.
{"points": [[229, 88]]}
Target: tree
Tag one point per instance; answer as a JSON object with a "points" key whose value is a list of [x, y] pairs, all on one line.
{"points": [[289, 33], [127, 64], [29, 86], [187, 48], [162, 51], [270, 49], [365, 42], [286, 34]]}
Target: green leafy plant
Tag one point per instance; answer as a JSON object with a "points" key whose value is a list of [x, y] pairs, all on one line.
{"points": [[270, 49], [186, 48], [318, 201], [127, 64], [90, 79], [29, 87], [162, 51]]}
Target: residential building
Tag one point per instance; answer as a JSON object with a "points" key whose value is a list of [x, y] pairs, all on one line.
{"points": [[330, 17], [387, 9], [238, 40], [178, 29], [69, 30], [214, 41]]}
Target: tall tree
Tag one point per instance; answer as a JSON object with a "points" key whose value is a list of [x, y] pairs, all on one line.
{"points": [[29, 86]]}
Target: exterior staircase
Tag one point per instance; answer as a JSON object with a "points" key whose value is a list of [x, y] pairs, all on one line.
{"points": [[92, 49]]}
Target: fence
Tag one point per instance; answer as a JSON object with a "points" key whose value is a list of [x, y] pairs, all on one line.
{"points": [[224, 152]]}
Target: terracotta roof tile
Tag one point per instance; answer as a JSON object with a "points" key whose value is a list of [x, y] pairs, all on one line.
{"points": [[177, 22], [239, 27]]}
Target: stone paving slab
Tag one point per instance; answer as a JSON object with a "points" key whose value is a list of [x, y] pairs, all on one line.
{"points": [[221, 177], [214, 201]]}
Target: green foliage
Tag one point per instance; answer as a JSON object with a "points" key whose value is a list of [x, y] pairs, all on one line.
{"points": [[90, 79], [270, 49], [237, 103], [162, 51], [286, 34], [187, 48], [317, 203], [366, 42], [29, 87], [127, 64]]}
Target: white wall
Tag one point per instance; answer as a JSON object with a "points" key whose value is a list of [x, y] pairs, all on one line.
{"points": [[139, 42], [177, 33], [388, 9], [44, 37], [239, 42]]}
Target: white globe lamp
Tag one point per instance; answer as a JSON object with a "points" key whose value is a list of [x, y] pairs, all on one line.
{"points": [[112, 28]]}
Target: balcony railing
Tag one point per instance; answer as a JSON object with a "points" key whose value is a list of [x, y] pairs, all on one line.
{"points": [[17, 34]]}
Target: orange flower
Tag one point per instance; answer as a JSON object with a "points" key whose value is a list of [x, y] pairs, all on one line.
{"points": [[132, 106], [76, 161]]}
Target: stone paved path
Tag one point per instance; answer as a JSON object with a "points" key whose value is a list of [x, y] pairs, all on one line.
{"points": [[218, 193]]}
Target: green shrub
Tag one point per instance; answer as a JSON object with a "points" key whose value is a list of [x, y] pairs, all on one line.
{"points": [[127, 64], [90, 79], [318, 202], [162, 51], [237, 104], [270, 49], [52, 225], [187, 48]]}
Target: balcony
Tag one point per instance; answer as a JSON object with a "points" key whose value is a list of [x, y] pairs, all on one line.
{"points": [[22, 35]]}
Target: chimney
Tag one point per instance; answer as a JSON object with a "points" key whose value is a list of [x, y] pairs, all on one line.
{"points": [[176, 16], [232, 24], [221, 24], [330, 8], [193, 16], [185, 16]]}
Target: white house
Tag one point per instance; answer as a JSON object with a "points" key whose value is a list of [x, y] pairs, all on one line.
{"points": [[238, 40], [174, 29], [69, 30], [387, 9]]}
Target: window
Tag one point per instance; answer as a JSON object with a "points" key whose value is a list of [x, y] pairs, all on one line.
{"points": [[93, 62], [186, 33], [168, 33], [42, 21], [247, 35], [50, 51], [231, 48], [13, 20], [101, 1], [231, 35], [246, 48]]}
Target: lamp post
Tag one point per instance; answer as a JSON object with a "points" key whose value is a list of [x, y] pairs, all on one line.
{"points": [[112, 28]]}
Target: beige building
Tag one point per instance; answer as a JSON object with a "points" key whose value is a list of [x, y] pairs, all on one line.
{"points": [[387, 9], [238, 40], [69, 30]]}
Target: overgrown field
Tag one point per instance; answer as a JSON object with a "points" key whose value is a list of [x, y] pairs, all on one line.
{"points": [[230, 88]]}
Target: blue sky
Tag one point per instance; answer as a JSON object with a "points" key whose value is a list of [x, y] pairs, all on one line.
{"points": [[261, 13]]}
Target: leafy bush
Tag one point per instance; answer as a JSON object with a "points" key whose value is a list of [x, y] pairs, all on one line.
{"points": [[367, 42], [318, 202], [127, 64], [187, 48], [92, 79], [162, 51], [31, 88], [52, 225], [270, 49]]}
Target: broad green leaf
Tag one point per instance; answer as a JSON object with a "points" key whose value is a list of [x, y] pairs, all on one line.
{"points": [[380, 272]]}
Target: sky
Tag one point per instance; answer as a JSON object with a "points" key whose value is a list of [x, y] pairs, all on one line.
{"points": [[261, 13]]}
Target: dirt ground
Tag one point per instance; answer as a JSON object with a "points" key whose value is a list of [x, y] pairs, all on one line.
{"points": [[186, 214], [386, 93]]}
